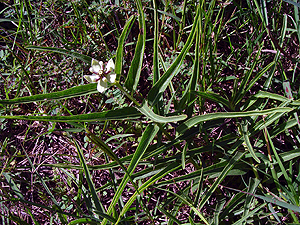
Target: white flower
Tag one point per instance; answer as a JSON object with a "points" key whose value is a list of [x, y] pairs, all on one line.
{"points": [[103, 78]]}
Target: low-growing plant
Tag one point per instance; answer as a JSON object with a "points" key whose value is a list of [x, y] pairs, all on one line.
{"points": [[196, 120]]}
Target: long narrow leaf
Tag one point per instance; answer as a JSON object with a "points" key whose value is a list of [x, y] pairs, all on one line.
{"points": [[69, 93], [88, 177], [147, 138], [152, 180], [161, 85], [121, 42], [214, 97], [195, 210], [84, 58], [118, 114], [144, 109], [134, 72], [213, 116], [222, 176]]}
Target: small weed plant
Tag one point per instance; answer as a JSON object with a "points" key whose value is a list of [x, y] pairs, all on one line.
{"points": [[149, 112]]}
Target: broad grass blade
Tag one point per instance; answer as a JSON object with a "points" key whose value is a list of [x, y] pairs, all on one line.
{"points": [[134, 72], [248, 145], [161, 85], [214, 97], [155, 45], [265, 94], [13, 185], [147, 138], [294, 208], [195, 210], [212, 116], [120, 49], [69, 93], [293, 193], [87, 221], [251, 214], [145, 110], [293, 3], [196, 72], [118, 114]]}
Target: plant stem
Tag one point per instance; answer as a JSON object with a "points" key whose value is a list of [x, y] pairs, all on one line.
{"points": [[128, 95]]}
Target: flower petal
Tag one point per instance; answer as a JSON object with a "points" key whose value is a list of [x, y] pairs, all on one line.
{"points": [[91, 78], [97, 66], [102, 86], [111, 78], [110, 66]]}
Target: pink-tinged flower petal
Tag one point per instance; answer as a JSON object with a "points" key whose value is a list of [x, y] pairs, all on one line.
{"points": [[92, 78], [110, 66], [102, 86], [287, 89], [97, 67]]}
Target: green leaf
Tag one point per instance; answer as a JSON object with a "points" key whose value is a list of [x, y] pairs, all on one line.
{"points": [[265, 94], [253, 184], [88, 177], [134, 72], [293, 3], [214, 97], [213, 116], [13, 185], [156, 74], [294, 208], [84, 58], [87, 221], [69, 93], [247, 143], [167, 170], [147, 138], [221, 177], [195, 75], [144, 109], [161, 85], [120, 49], [195, 210], [249, 215], [117, 114]]}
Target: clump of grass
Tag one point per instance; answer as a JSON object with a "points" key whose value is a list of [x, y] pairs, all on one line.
{"points": [[201, 126]]}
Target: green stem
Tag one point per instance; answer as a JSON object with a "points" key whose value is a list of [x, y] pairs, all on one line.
{"points": [[128, 95], [139, 105]]}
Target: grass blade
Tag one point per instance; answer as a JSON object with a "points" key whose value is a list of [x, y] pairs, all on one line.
{"points": [[69, 93], [249, 198], [244, 218], [214, 186], [288, 179], [161, 85], [121, 42], [214, 97], [91, 185], [195, 210], [213, 116], [118, 114], [147, 138], [144, 109], [84, 58], [171, 167], [134, 72], [247, 143]]}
